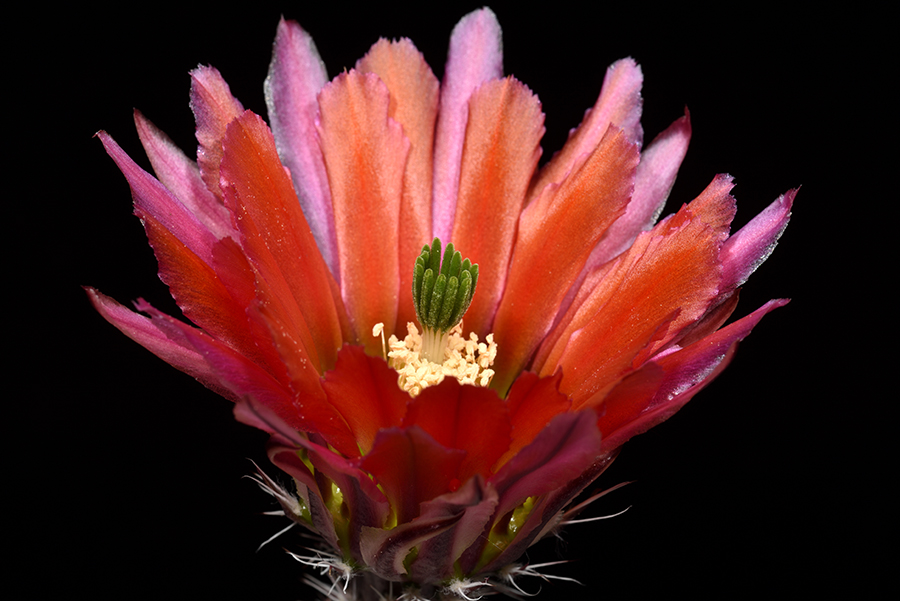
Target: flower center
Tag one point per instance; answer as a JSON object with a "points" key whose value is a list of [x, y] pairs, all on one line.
{"points": [[442, 291]]}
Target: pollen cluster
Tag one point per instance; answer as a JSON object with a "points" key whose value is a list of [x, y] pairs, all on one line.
{"points": [[467, 360]]}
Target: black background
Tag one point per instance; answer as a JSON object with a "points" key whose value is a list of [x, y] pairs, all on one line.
{"points": [[129, 473]]}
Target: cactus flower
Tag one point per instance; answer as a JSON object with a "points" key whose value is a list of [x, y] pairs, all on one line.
{"points": [[445, 343]]}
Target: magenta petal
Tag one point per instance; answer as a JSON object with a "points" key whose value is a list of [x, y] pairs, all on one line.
{"points": [[562, 451], [365, 505], [437, 555], [182, 177], [545, 516], [447, 526], [746, 250], [152, 198], [412, 468], [322, 522], [181, 355], [474, 57], [653, 181], [227, 370], [296, 74], [660, 388]]}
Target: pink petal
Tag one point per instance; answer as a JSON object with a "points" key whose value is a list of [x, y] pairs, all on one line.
{"points": [[208, 277], [244, 380], [296, 75], [653, 181], [619, 104], [746, 250], [147, 333], [214, 107], [153, 199], [182, 177], [475, 56]]}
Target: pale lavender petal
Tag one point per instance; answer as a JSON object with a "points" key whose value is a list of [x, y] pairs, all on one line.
{"points": [[182, 177], [296, 74], [619, 102], [746, 250], [152, 198], [653, 182], [475, 56]]}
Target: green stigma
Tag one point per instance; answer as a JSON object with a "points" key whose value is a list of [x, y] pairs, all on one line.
{"points": [[442, 290]]}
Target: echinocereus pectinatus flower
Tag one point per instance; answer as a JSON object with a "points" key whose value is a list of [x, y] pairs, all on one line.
{"points": [[446, 343]]}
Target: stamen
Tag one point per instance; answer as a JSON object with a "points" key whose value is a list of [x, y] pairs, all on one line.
{"points": [[467, 360]]}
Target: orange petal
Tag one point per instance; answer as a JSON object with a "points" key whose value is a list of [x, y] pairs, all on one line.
{"points": [[500, 154], [665, 282], [413, 104], [556, 234], [292, 280], [365, 155]]}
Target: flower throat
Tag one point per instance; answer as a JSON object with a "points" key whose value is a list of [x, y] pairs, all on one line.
{"points": [[442, 292]]}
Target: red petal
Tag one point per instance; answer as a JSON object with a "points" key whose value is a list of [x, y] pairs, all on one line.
{"points": [[292, 279], [664, 283], [364, 391], [469, 418], [532, 403], [412, 468]]}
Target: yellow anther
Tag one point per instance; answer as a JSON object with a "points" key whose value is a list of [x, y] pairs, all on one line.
{"points": [[468, 361]]}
